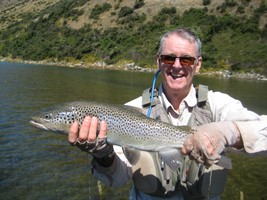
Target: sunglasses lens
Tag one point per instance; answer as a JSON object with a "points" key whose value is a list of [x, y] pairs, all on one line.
{"points": [[187, 60], [168, 59]]}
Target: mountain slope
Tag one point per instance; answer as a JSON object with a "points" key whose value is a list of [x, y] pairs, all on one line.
{"points": [[13, 10], [234, 32]]}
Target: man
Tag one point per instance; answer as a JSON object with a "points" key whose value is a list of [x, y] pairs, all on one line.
{"points": [[220, 122]]}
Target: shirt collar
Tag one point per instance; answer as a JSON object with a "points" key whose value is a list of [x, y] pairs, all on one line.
{"points": [[190, 99]]}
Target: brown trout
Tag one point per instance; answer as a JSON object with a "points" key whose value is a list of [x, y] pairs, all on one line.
{"points": [[125, 127]]}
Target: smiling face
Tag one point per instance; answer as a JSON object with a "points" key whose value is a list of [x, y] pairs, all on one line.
{"points": [[177, 77]]}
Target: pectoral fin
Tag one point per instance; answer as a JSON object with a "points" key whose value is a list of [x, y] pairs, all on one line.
{"points": [[132, 155], [172, 157]]}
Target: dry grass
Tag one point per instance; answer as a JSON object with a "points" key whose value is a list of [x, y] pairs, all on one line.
{"points": [[11, 10], [150, 8]]}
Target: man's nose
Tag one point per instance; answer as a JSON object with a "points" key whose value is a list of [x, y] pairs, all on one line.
{"points": [[177, 63]]}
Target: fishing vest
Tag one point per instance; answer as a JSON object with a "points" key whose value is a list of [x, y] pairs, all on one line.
{"points": [[152, 176]]}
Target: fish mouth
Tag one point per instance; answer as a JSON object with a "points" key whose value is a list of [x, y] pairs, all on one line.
{"points": [[38, 125]]}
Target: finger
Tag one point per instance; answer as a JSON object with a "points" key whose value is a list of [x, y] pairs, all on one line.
{"points": [[73, 133], [207, 144], [84, 131], [102, 129], [93, 129], [188, 145], [184, 151]]}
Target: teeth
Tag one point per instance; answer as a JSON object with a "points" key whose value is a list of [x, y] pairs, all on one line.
{"points": [[177, 75]]}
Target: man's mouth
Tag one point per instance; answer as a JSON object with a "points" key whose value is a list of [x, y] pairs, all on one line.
{"points": [[175, 76]]}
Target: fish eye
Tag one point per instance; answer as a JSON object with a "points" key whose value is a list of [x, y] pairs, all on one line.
{"points": [[47, 116]]}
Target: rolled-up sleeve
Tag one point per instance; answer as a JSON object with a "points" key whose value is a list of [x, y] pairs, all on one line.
{"points": [[252, 127], [254, 134]]}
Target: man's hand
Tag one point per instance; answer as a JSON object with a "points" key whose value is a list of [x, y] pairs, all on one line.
{"points": [[208, 141], [89, 138]]}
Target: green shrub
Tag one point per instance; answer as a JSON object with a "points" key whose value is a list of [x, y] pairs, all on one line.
{"points": [[138, 4], [240, 9], [206, 2], [124, 11], [98, 9]]}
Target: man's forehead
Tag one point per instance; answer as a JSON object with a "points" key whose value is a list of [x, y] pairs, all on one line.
{"points": [[175, 42]]}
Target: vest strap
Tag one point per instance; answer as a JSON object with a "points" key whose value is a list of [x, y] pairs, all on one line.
{"points": [[146, 98], [202, 93]]}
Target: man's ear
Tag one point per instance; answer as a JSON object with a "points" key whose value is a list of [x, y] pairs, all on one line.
{"points": [[198, 65], [158, 60]]}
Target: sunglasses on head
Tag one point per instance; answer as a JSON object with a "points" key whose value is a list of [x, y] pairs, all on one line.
{"points": [[184, 60]]}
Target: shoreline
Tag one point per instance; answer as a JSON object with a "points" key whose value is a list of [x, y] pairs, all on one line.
{"points": [[126, 66], [236, 75], [131, 67]]}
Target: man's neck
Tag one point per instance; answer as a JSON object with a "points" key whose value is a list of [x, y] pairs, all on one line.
{"points": [[175, 98]]}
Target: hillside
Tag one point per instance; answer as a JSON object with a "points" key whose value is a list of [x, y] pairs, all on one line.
{"points": [[13, 9], [234, 32]]}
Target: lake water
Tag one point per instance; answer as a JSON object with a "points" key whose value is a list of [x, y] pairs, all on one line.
{"points": [[38, 165]]}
